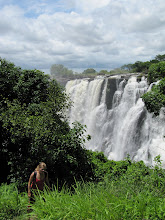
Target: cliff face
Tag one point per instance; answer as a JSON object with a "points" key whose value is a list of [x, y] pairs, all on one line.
{"points": [[63, 80]]}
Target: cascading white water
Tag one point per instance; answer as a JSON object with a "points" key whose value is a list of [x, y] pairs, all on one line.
{"points": [[116, 117]]}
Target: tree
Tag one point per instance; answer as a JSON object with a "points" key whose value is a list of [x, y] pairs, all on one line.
{"points": [[103, 72], [155, 99], [60, 70], [156, 71], [89, 71], [9, 76], [32, 87], [153, 61], [160, 57], [34, 128], [128, 67]]}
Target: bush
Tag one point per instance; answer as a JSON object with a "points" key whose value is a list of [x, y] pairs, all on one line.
{"points": [[156, 72], [34, 127], [155, 99]]}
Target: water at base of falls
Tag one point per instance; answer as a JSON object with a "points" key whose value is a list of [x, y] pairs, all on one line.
{"points": [[116, 117]]}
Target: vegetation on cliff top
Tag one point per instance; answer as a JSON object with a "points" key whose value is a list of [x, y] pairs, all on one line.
{"points": [[58, 70]]}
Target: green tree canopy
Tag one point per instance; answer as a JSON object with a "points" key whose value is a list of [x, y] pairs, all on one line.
{"points": [[155, 99], [103, 72], [160, 57], [33, 128], [156, 72], [9, 76], [128, 67], [89, 71]]}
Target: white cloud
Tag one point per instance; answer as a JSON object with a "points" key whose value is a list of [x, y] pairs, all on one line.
{"points": [[91, 5], [81, 33]]}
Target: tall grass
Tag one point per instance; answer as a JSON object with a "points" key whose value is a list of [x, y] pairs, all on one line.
{"points": [[137, 192], [12, 203], [86, 201], [99, 202]]}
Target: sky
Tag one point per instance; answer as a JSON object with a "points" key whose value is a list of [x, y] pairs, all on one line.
{"points": [[81, 34]]}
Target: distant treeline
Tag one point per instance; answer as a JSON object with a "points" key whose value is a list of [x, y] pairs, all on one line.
{"points": [[59, 70], [140, 66]]}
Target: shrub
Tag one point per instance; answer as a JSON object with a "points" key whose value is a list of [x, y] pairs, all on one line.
{"points": [[156, 72], [155, 99]]}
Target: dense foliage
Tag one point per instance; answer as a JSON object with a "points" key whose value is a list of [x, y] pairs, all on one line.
{"points": [[156, 72], [143, 67], [34, 128], [89, 71], [155, 98]]}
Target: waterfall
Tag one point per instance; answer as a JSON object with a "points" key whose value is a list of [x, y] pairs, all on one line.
{"points": [[116, 117]]}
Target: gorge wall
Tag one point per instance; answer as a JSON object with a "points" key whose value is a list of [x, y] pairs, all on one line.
{"points": [[116, 117]]}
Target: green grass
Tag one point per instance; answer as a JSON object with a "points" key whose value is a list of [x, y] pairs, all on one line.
{"points": [[128, 191], [12, 203], [103, 201]]}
